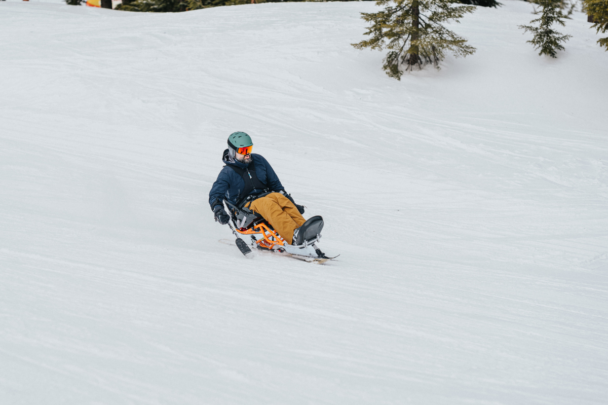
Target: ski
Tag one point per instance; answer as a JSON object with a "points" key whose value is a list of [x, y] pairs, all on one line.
{"points": [[308, 259], [303, 258]]}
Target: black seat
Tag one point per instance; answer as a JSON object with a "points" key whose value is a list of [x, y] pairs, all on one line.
{"points": [[245, 218]]}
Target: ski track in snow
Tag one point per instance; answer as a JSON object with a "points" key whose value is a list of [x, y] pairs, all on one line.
{"points": [[469, 206]]}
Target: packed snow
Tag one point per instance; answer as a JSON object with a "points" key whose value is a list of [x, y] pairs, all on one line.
{"points": [[469, 206]]}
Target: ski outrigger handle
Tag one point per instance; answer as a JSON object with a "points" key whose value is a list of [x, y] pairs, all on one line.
{"points": [[240, 243]]}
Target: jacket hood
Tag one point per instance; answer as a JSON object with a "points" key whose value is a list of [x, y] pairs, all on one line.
{"points": [[229, 160]]}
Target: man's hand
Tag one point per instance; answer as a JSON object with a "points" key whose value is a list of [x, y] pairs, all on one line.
{"points": [[220, 215]]}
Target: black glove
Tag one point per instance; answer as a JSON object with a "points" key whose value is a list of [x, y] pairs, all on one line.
{"points": [[220, 215], [300, 208]]}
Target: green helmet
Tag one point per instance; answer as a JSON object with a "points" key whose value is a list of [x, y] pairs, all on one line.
{"points": [[238, 140]]}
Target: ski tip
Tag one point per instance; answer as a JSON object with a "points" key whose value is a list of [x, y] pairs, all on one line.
{"points": [[323, 260]]}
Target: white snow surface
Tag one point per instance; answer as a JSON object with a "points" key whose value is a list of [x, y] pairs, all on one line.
{"points": [[469, 206]]}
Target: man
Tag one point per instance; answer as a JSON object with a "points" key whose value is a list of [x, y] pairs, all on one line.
{"points": [[248, 180]]}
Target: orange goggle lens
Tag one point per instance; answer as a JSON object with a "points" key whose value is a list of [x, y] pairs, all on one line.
{"points": [[245, 151]]}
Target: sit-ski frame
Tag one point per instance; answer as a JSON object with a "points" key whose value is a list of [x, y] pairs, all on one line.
{"points": [[263, 236]]}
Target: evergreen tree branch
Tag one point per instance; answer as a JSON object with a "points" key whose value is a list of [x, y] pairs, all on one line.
{"points": [[598, 11], [545, 39], [414, 34]]}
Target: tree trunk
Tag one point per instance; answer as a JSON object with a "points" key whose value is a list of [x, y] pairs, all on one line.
{"points": [[414, 51], [106, 4]]}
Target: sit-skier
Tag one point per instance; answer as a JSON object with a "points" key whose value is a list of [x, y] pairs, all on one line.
{"points": [[249, 181]]}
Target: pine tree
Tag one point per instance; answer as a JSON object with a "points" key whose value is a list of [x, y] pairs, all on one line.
{"points": [[482, 3], [155, 6], [545, 38], [167, 6], [174, 6], [198, 4], [412, 30], [598, 11]]}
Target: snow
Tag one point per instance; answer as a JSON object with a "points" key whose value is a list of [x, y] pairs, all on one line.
{"points": [[469, 206]]}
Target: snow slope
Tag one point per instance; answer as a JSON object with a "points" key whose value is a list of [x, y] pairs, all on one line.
{"points": [[469, 205]]}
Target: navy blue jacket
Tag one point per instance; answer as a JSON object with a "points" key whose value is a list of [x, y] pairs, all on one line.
{"points": [[229, 184]]}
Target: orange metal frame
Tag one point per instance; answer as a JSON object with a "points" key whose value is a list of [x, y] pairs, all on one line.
{"points": [[271, 238]]}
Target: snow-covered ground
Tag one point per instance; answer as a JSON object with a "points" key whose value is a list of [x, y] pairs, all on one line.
{"points": [[469, 205]]}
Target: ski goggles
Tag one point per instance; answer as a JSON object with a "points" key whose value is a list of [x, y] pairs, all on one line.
{"points": [[245, 150]]}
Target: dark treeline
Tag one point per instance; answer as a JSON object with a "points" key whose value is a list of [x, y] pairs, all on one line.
{"points": [[173, 6]]}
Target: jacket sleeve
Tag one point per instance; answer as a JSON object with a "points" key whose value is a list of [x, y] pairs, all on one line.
{"points": [[273, 180], [219, 189]]}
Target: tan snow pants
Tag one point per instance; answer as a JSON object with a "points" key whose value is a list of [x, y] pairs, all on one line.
{"points": [[281, 213]]}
